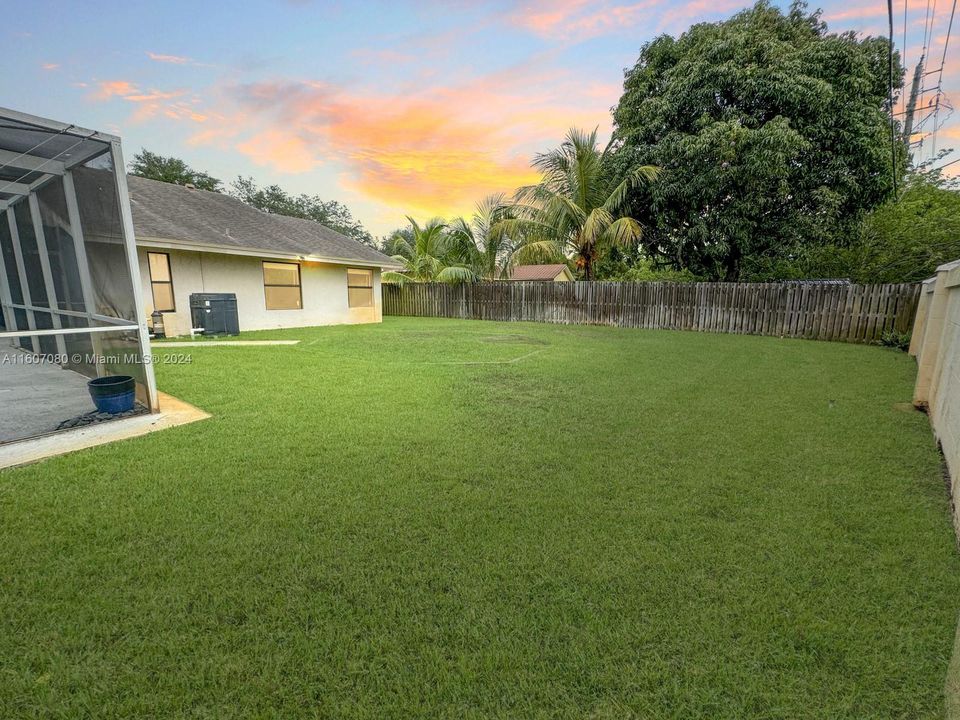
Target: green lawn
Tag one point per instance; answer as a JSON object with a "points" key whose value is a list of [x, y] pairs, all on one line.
{"points": [[621, 523]]}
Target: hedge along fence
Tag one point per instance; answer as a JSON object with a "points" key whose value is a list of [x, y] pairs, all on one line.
{"points": [[823, 311]]}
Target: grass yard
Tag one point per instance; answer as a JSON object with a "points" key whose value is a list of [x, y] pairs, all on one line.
{"points": [[620, 523]]}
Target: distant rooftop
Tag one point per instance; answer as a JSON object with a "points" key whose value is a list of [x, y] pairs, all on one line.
{"points": [[537, 272]]}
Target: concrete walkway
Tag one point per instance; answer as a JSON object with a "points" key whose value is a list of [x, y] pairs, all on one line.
{"points": [[37, 396], [220, 343]]}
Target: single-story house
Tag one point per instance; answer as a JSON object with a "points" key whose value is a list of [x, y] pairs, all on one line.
{"points": [[285, 272], [548, 273]]}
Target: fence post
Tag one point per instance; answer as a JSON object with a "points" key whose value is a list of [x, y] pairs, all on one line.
{"points": [[920, 323], [929, 354]]}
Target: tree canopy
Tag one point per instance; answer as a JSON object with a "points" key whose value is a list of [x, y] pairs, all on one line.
{"points": [[428, 253], [901, 241], [274, 199], [577, 208], [476, 242], [772, 135], [171, 170]]}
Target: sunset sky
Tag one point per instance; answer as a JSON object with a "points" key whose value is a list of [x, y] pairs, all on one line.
{"points": [[393, 108]]}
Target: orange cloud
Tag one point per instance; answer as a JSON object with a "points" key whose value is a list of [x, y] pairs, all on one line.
{"points": [[152, 96], [50, 66], [149, 103], [437, 151], [172, 59], [113, 88], [286, 152]]}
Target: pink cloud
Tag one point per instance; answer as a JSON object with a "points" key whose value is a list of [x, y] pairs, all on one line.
{"points": [[579, 18], [50, 66], [582, 20], [383, 56], [678, 16], [863, 11], [172, 59]]}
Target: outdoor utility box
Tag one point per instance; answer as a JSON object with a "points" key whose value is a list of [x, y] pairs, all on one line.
{"points": [[216, 313]]}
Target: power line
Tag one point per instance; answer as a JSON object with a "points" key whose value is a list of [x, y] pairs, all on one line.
{"points": [[943, 62], [893, 123], [927, 34], [903, 50]]}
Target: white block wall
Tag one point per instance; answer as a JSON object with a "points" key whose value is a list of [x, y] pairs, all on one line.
{"points": [[936, 344], [324, 290]]}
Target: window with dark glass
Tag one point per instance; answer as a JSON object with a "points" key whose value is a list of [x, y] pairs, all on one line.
{"points": [[161, 282], [281, 286], [360, 288]]}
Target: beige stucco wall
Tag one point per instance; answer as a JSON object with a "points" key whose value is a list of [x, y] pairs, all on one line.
{"points": [[324, 289], [936, 345]]}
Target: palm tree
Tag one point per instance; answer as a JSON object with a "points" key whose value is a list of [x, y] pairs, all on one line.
{"points": [[477, 244], [573, 211], [426, 254]]}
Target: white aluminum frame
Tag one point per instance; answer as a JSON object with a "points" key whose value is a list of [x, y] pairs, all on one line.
{"points": [[52, 169]]}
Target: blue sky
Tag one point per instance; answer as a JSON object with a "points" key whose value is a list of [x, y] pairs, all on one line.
{"points": [[391, 107]]}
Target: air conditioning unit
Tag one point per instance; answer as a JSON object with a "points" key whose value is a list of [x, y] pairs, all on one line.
{"points": [[215, 313]]}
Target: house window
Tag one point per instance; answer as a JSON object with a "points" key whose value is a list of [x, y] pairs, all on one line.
{"points": [[281, 286], [161, 282], [360, 288]]}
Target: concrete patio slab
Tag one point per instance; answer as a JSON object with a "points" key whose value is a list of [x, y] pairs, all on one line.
{"points": [[173, 412], [36, 395]]}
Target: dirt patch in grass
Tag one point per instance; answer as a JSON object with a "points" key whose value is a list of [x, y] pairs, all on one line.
{"points": [[514, 339]]}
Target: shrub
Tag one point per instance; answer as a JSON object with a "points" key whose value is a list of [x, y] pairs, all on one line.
{"points": [[895, 339]]}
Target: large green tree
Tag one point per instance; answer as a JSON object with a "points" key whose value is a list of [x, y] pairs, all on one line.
{"points": [[171, 170], [576, 210], [772, 134], [274, 199]]}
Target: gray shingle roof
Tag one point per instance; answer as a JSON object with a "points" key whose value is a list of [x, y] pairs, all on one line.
{"points": [[163, 211]]}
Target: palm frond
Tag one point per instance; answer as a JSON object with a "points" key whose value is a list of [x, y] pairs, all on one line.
{"points": [[395, 278], [537, 252], [624, 231], [456, 274], [595, 225], [636, 177], [520, 228]]}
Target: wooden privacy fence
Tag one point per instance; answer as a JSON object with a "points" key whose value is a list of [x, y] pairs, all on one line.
{"points": [[823, 311]]}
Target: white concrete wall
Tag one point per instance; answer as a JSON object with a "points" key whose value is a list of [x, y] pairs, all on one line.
{"points": [[324, 289], [936, 345]]}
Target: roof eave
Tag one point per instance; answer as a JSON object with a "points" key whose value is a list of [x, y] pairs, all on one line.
{"points": [[157, 242]]}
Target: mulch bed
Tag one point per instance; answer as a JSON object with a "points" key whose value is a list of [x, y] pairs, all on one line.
{"points": [[94, 417]]}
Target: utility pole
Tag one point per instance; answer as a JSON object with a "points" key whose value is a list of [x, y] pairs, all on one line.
{"points": [[912, 107]]}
